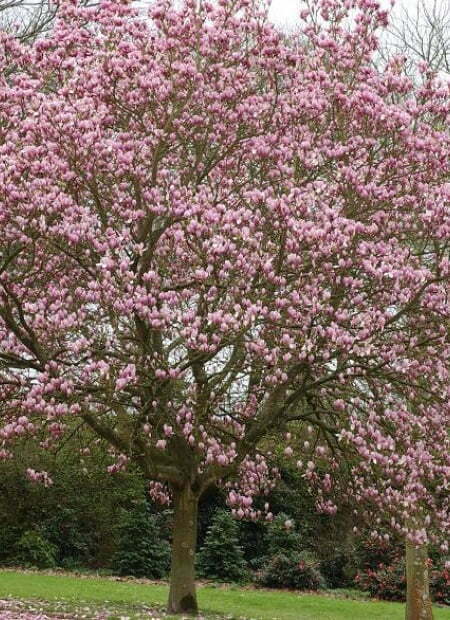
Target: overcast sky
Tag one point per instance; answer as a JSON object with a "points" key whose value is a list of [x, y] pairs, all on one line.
{"points": [[286, 11]]}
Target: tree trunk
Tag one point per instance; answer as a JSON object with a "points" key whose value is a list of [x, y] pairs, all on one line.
{"points": [[418, 602], [182, 595]]}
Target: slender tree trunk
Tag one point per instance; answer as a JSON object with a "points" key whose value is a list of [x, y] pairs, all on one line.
{"points": [[418, 602], [182, 595]]}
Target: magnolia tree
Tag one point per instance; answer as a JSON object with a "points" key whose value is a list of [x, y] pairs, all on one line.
{"points": [[214, 236]]}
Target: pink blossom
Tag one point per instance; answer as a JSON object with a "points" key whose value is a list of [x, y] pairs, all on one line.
{"points": [[217, 237]]}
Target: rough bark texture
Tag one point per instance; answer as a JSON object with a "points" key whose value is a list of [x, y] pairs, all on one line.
{"points": [[418, 602], [182, 595]]}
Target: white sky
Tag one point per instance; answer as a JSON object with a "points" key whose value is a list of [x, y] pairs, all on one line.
{"points": [[285, 12]]}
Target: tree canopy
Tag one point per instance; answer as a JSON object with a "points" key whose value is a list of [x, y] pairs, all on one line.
{"points": [[214, 235]]}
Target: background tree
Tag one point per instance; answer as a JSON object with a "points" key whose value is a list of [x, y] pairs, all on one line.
{"points": [[221, 557], [143, 551], [29, 19], [421, 33], [207, 244], [77, 513], [26, 20]]}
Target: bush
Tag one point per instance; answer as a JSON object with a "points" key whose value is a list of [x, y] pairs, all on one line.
{"points": [[294, 569], [221, 558], [33, 549], [73, 536], [339, 570], [286, 565], [388, 582], [373, 553], [440, 585], [279, 537], [77, 514], [9, 535], [251, 536], [143, 551]]}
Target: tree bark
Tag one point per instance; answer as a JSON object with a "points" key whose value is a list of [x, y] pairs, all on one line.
{"points": [[418, 602], [182, 594]]}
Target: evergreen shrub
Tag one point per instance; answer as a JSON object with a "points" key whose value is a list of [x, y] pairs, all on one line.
{"points": [[143, 549], [286, 565], [221, 557], [34, 550]]}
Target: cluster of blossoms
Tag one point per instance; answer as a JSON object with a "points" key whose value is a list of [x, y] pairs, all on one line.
{"points": [[120, 464], [39, 476], [17, 427], [213, 235], [159, 493], [256, 478]]}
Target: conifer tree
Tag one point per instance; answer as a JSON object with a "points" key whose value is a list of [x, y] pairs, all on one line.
{"points": [[221, 557], [143, 551]]}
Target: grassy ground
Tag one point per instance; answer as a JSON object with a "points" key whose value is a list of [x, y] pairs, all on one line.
{"points": [[74, 597]]}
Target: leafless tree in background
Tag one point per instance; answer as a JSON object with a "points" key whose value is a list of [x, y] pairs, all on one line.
{"points": [[28, 19], [421, 32]]}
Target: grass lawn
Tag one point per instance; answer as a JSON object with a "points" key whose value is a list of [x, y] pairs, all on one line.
{"points": [[87, 595]]}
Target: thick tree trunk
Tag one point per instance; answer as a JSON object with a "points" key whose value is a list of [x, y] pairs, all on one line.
{"points": [[418, 602], [182, 595]]}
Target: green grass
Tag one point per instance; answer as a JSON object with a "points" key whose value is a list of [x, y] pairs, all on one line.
{"points": [[230, 602]]}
